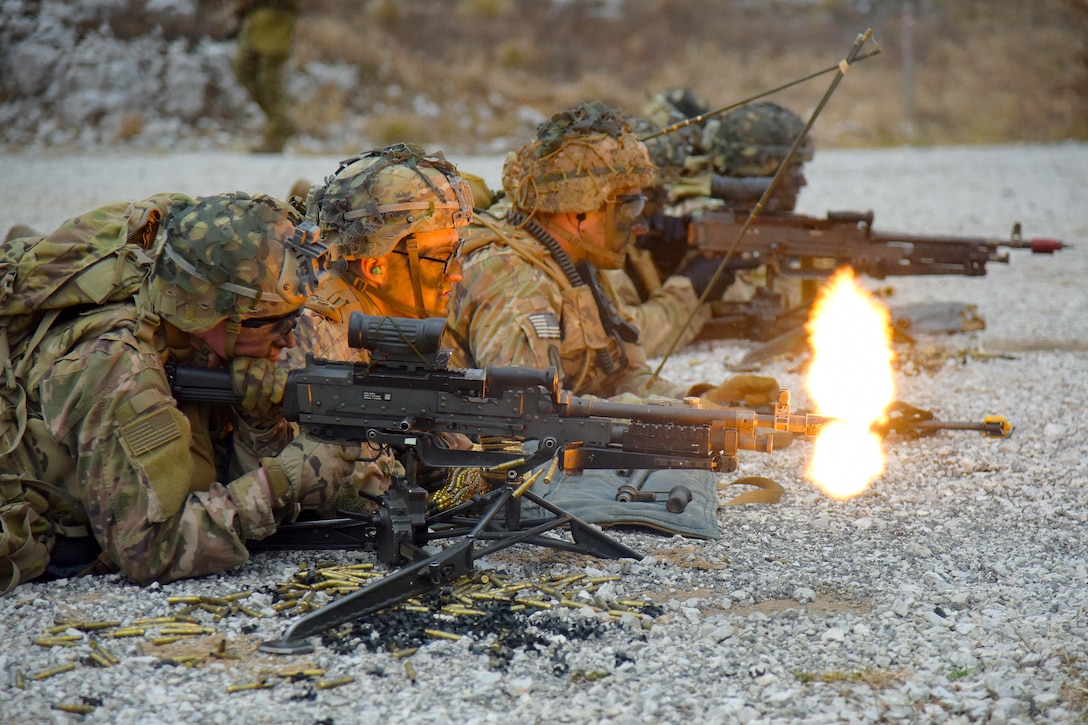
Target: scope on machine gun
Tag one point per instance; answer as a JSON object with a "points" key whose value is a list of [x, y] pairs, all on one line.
{"points": [[406, 397]]}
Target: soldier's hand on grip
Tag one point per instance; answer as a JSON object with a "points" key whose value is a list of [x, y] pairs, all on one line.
{"points": [[313, 475], [261, 384]]}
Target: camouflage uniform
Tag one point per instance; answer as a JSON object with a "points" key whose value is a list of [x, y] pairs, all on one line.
{"points": [[515, 305], [399, 175], [105, 441], [266, 29], [749, 141], [660, 316]]}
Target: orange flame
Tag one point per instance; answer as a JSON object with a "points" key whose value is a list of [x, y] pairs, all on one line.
{"points": [[850, 379]]}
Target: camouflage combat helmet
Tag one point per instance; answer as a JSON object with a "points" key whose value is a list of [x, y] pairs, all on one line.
{"points": [[231, 257], [668, 152], [753, 139], [378, 198], [671, 151], [578, 160]]}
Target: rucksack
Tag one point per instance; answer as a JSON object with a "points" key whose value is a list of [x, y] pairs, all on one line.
{"points": [[94, 259]]}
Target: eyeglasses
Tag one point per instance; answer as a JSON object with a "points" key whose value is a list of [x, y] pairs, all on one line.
{"points": [[280, 326], [446, 262], [628, 206]]}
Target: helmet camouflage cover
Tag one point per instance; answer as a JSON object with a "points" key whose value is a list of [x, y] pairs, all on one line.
{"points": [[227, 257], [378, 198], [670, 151], [754, 139], [578, 160]]}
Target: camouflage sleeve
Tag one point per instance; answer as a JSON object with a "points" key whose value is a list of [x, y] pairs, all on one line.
{"points": [[328, 339], [109, 402], [660, 317], [321, 336], [504, 312]]}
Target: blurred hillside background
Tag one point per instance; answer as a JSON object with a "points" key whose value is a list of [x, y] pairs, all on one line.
{"points": [[476, 76]]}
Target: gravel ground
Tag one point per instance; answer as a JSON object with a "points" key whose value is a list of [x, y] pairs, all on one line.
{"points": [[954, 590]]}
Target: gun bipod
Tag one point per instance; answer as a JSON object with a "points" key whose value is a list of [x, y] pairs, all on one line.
{"points": [[454, 562]]}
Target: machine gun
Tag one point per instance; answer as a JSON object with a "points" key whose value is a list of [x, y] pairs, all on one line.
{"points": [[406, 397], [806, 247]]}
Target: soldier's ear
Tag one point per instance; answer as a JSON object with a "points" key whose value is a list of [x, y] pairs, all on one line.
{"points": [[372, 271]]}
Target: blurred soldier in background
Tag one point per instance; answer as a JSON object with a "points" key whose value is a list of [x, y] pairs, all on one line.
{"points": [[93, 442], [265, 33], [729, 164]]}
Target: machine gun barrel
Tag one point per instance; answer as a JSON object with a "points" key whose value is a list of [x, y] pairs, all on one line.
{"points": [[406, 396], [805, 246]]}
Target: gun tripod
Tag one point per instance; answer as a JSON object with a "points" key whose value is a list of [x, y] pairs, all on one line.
{"points": [[397, 532]]}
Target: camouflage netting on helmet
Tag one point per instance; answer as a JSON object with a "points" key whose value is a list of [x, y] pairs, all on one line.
{"points": [[754, 139], [671, 151], [226, 257], [378, 198], [578, 160]]}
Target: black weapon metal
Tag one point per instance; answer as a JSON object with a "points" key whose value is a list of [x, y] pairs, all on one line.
{"points": [[843, 66], [447, 566]]}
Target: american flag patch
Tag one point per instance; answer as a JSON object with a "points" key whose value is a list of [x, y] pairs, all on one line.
{"points": [[546, 325]]}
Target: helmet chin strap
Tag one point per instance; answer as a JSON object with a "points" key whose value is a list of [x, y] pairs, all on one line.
{"points": [[417, 279], [233, 331], [601, 256]]}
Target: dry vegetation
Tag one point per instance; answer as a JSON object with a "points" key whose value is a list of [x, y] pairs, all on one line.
{"points": [[479, 74], [466, 71]]}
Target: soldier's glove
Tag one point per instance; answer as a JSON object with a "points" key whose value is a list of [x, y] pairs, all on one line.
{"points": [[700, 270], [746, 391], [261, 384], [313, 475], [666, 241]]}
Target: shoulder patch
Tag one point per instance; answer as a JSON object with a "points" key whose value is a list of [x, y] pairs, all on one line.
{"points": [[546, 325]]}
